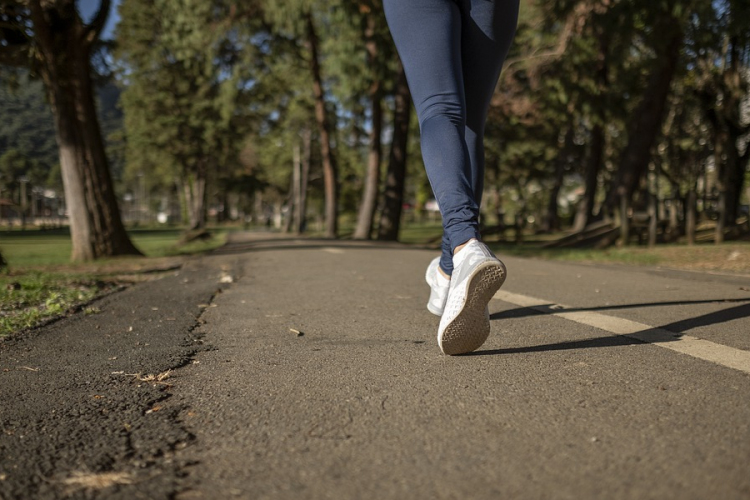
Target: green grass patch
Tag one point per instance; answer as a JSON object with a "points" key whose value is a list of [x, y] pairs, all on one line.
{"points": [[424, 233], [33, 249], [29, 298], [730, 257], [41, 283], [630, 256]]}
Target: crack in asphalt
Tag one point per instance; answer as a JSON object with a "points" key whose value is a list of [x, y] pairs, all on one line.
{"points": [[76, 416]]}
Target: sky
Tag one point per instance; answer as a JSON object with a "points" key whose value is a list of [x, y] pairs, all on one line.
{"points": [[88, 9]]}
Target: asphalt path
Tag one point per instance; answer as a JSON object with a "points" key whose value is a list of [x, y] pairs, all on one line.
{"points": [[315, 373]]}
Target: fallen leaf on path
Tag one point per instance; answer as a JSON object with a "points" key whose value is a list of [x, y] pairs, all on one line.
{"points": [[88, 481]]}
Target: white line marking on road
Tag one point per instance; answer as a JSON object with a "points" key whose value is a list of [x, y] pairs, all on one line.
{"points": [[333, 250], [729, 357]]}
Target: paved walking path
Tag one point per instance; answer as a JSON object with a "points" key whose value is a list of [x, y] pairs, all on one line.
{"points": [[596, 382]]}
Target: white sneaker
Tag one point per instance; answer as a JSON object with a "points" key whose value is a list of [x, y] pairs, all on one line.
{"points": [[439, 286], [477, 275]]}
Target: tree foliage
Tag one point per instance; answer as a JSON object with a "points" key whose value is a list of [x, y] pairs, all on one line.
{"points": [[606, 110]]}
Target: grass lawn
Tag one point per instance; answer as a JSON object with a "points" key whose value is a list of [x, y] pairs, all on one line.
{"points": [[729, 257], [41, 283], [34, 249]]}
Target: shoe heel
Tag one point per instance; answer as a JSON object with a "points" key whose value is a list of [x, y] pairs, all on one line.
{"points": [[470, 329]]}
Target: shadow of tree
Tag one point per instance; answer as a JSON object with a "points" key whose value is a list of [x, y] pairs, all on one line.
{"points": [[666, 333]]}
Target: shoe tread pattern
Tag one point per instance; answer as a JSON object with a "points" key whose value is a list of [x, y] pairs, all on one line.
{"points": [[471, 327]]}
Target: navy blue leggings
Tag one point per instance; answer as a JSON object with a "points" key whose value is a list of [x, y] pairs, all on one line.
{"points": [[452, 51]]}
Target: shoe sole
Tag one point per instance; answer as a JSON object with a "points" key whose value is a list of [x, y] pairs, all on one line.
{"points": [[470, 329], [431, 282]]}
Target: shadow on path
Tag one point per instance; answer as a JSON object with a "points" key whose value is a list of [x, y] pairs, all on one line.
{"points": [[666, 333], [553, 308]]}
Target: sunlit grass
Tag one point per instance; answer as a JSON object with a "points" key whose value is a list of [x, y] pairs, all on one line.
{"points": [[733, 257], [29, 298]]}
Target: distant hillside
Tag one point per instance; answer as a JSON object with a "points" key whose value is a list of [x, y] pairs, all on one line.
{"points": [[26, 121]]}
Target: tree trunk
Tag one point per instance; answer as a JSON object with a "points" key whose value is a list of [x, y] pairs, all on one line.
{"points": [[690, 215], [720, 220], [300, 209], [390, 219], [291, 216], [223, 214], [723, 161], [585, 211], [732, 166], [363, 231], [624, 220], [64, 50], [294, 181], [23, 203], [552, 218], [259, 215], [647, 118], [520, 216], [520, 222], [330, 173], [674, 226], [194, 187], [277, 215], [736, 182], [182, 201], [653, 216]]}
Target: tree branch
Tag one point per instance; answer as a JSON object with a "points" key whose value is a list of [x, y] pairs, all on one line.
{"points": [[14, 58], [41, 27], [94, 29], [571, 23], [14, 28]]}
